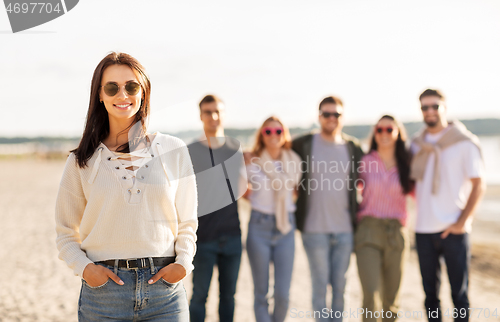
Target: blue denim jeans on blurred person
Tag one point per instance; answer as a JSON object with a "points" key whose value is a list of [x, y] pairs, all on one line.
{"points": [[266, 245], [225, 252], [329, 256], [136, 300]]}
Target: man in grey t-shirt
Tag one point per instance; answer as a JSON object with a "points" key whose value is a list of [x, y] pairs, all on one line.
{"points": [[327, 205]]}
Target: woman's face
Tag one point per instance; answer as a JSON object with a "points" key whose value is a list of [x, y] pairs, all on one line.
{"points": [[122, 105], [386, 133], [273, 140]]}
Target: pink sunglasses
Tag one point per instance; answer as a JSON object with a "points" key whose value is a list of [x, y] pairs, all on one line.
{"points": [[388, 129], [270, 130]]}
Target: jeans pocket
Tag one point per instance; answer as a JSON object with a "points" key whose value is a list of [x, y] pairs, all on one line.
{"points": [[170, 285], [96, 287]]}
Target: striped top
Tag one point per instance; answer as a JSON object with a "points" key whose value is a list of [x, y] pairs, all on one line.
{"points": [[383, 196]]}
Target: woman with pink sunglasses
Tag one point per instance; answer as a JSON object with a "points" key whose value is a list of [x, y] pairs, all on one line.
{"points": [[381, 241], [273, 173]]}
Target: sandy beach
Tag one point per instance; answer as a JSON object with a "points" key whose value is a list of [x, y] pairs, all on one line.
{"points": [[36, 286]]}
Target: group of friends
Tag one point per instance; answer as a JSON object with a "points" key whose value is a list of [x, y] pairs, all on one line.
{"points": [[133, 216], [441, 168]]}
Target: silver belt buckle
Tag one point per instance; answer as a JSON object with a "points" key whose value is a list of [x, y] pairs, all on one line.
{"points": [[143, 262]]}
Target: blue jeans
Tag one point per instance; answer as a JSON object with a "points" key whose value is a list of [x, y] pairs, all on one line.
{"points": [[329, 256], [225, 252], [456, 252], [265, 244], [136, 300]]}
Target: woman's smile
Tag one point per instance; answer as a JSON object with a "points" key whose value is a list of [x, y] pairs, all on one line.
{"points": [[122, 106]]}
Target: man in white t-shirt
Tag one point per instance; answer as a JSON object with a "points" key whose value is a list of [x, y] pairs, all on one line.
{"points": [[448, 169]]}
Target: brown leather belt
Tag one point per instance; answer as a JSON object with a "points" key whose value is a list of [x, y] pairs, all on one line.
{"points": [[140, 262]]}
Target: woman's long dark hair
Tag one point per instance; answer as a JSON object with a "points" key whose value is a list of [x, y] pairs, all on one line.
{"points": [[97, 123], [403, 156]]}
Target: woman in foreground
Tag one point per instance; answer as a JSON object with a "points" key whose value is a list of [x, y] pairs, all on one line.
{"points": [[126, 208]]}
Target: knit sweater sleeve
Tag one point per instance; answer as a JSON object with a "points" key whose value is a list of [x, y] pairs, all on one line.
{"points": [[186, 204], [70, 206]]}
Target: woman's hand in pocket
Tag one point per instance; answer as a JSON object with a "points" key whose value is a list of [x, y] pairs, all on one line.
{"points": [[96, 275], [171, 273]]}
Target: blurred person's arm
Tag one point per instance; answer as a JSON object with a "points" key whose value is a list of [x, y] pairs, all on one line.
{"points": [[247, 182], [476, 194], [248, 192], [243, 184], [474, 169]]}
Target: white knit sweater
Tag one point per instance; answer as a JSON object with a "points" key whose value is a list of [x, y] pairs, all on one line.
{"points": [[102, 214]]}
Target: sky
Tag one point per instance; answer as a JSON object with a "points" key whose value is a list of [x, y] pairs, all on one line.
{"points": [[260, 57]]}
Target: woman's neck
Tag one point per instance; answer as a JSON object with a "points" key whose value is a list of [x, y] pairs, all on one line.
{"points": [[443, 124], [274, 152], [217, 133], [387, 153], [118, 132], [335, 136], [215, 139]]}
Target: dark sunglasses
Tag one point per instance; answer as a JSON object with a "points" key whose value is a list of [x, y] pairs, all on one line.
{"points": [[435, 107], [381, 129], [328, 114], [111, 89], [269, 130]]}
